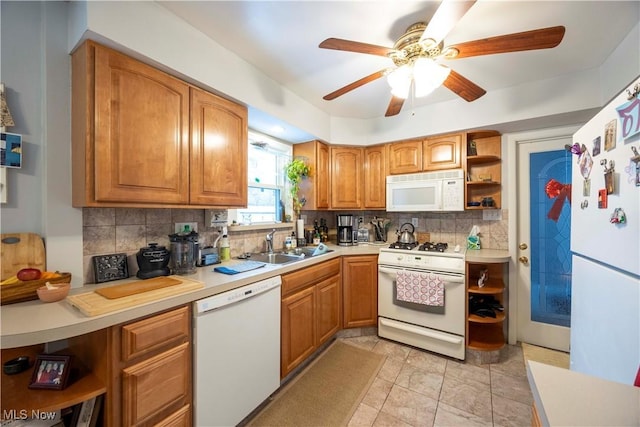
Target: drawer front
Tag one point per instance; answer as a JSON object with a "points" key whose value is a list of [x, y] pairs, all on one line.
{"points": [[156, 387], [308, 276], [180, 418], [154, 333]]}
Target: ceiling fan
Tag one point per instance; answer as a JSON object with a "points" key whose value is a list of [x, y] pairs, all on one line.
{"points": [[417, 54]]}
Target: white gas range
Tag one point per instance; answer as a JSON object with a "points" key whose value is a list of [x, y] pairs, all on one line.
{"points": [[435, 269]]}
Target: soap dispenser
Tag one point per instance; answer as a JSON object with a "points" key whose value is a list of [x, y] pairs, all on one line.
{"points": [[225, 249]]}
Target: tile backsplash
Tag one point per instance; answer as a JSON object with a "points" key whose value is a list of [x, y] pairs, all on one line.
{"points": [[126, 230]]}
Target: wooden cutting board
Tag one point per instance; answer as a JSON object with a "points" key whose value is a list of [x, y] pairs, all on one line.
{"points": [[120, 291], [21, 250], [94, 304]]}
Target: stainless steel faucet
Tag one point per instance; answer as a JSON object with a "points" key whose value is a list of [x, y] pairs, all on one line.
{"points": [[269, 239]]}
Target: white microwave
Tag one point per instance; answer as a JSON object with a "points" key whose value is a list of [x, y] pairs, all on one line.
{"points": [[427, 191]]}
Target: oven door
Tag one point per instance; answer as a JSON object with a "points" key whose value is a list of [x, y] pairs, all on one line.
{"points": [[451, 319]]}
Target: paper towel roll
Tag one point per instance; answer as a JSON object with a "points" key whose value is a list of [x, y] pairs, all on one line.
{"points": [[300, 228]]}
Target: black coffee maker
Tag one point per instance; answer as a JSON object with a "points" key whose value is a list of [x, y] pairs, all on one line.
{"points": [[153, 261]]}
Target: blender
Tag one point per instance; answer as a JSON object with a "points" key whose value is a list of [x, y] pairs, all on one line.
{"points": [[184, 252]]}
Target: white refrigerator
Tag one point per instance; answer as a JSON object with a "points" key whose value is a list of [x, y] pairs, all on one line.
{"points": [[605, 241]]}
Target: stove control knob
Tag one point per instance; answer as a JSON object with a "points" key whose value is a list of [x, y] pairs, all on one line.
{"points": [[400, 257]]}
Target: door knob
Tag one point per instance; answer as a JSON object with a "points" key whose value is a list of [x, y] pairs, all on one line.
{"points": [[524, 260], [523, 246]]}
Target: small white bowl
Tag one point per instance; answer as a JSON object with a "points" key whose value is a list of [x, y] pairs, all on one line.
{"points": [[59, 292]]}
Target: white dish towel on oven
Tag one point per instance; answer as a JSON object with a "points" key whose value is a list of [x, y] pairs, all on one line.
{"points": [[420, 288]]}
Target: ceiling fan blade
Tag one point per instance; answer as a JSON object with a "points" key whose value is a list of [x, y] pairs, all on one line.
{"points": [[543, 38], [464, 87], [354, 85], [446, 17], [395, 105], [351, 46]]}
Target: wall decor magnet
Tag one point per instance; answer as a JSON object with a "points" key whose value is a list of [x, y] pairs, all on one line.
{"points": [[576, 149], [584, 204], [602, 199], [586, 164], [609, 178], [596, 146], [610, 135], [618, 216], [629, 113], [586, 187]]}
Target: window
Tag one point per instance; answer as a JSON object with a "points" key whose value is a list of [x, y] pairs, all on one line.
{"points": [[267, 197]]}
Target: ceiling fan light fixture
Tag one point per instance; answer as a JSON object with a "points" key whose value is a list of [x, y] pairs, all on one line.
{"points": [[400, 81], [428, 75]]}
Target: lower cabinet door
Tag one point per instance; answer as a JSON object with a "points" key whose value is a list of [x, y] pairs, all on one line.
{"points": [[154, 389], [328, 308], [298, 329]]}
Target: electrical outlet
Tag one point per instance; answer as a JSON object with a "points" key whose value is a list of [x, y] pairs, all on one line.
{"points": [[414, 222], [492, 215], [360, 221], [179, 226]]}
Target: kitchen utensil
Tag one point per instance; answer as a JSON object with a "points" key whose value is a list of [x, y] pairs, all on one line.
{"points": [[406, 236], [21, 250], [139, 287], [153, 261]]}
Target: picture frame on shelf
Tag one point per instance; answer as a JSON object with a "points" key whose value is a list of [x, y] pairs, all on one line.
{"points": [[472, 150], [50, 372]]}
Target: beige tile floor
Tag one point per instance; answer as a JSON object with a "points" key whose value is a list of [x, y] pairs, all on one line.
{"points": [[418, 388]]}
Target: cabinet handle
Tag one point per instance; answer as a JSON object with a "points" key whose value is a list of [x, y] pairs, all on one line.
{"points": [[524, 260]]}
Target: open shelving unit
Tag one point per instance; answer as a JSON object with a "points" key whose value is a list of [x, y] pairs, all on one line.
{"points": [[486, 333], [484, 169]]}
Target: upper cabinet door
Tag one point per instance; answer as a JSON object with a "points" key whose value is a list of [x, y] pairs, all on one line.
{"points": [[443, 152], [346, 178], [322, 177], [405, 157], [141, 150], [218, 151], [375, 176]]}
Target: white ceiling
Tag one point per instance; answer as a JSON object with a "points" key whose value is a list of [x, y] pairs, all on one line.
{"points": [[281, 38]]}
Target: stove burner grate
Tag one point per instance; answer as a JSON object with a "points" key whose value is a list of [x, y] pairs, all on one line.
{"points": [[400, 245], [433, 247]]}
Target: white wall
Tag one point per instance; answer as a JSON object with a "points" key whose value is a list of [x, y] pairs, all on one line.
{"points": [[36, 69]]}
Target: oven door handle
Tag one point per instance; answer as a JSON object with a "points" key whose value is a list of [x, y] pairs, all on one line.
{"points": [[421, 331], [444, 277]]}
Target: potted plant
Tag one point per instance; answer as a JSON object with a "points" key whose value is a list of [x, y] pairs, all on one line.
{"points": [[296, 170]]}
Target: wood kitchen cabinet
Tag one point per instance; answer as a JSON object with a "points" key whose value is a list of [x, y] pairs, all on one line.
{"points": [[151, 369], [442, 152], [375, 177], [346, 177], [311, 311], [218, 169], [315, 188], [360, 290], [434, 153], [484, 169], [486, 333], [131, 140], [405, 157]]}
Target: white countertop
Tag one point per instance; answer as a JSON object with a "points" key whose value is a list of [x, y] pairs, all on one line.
{"points": [[35, 322], [569, 398]]}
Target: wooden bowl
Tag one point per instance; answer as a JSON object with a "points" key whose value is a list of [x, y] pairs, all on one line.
{"points": [[59, 292]]}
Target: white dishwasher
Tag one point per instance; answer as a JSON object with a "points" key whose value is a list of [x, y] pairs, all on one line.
{"points": [[237, 352]]}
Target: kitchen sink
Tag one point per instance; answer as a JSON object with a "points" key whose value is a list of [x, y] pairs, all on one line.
{"points": [[297, 254], [274, 258]]}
